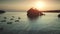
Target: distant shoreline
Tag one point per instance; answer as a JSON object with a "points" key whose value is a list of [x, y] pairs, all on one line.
{"points": [[26, 11], [51, 12], [48, 11]]}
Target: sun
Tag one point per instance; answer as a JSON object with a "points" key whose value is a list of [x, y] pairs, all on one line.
{"points": [[39, 5]]}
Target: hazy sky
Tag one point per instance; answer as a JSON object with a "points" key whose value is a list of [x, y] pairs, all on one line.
{"points": [[26, 4]]}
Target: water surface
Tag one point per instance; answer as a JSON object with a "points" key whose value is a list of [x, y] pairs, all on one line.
{"points": [[48, 24]]}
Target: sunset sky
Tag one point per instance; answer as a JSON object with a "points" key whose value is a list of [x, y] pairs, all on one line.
{"points": [[26, 4]]}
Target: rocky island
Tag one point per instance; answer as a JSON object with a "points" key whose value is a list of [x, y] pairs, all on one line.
{"points": [[34, 12], [59, 15], [2, 11]]}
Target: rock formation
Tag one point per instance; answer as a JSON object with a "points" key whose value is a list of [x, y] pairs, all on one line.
{"points": [[59, 15], [1, 11], [34, 13]]}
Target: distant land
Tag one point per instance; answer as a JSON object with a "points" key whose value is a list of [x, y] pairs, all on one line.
{"points": [[47, 11], [52, 11]]}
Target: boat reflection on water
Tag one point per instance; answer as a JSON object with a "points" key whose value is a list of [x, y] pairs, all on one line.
{"points": [[34, 13]]}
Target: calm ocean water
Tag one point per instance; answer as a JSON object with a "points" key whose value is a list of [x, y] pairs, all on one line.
{"points": [[48, 24]]}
